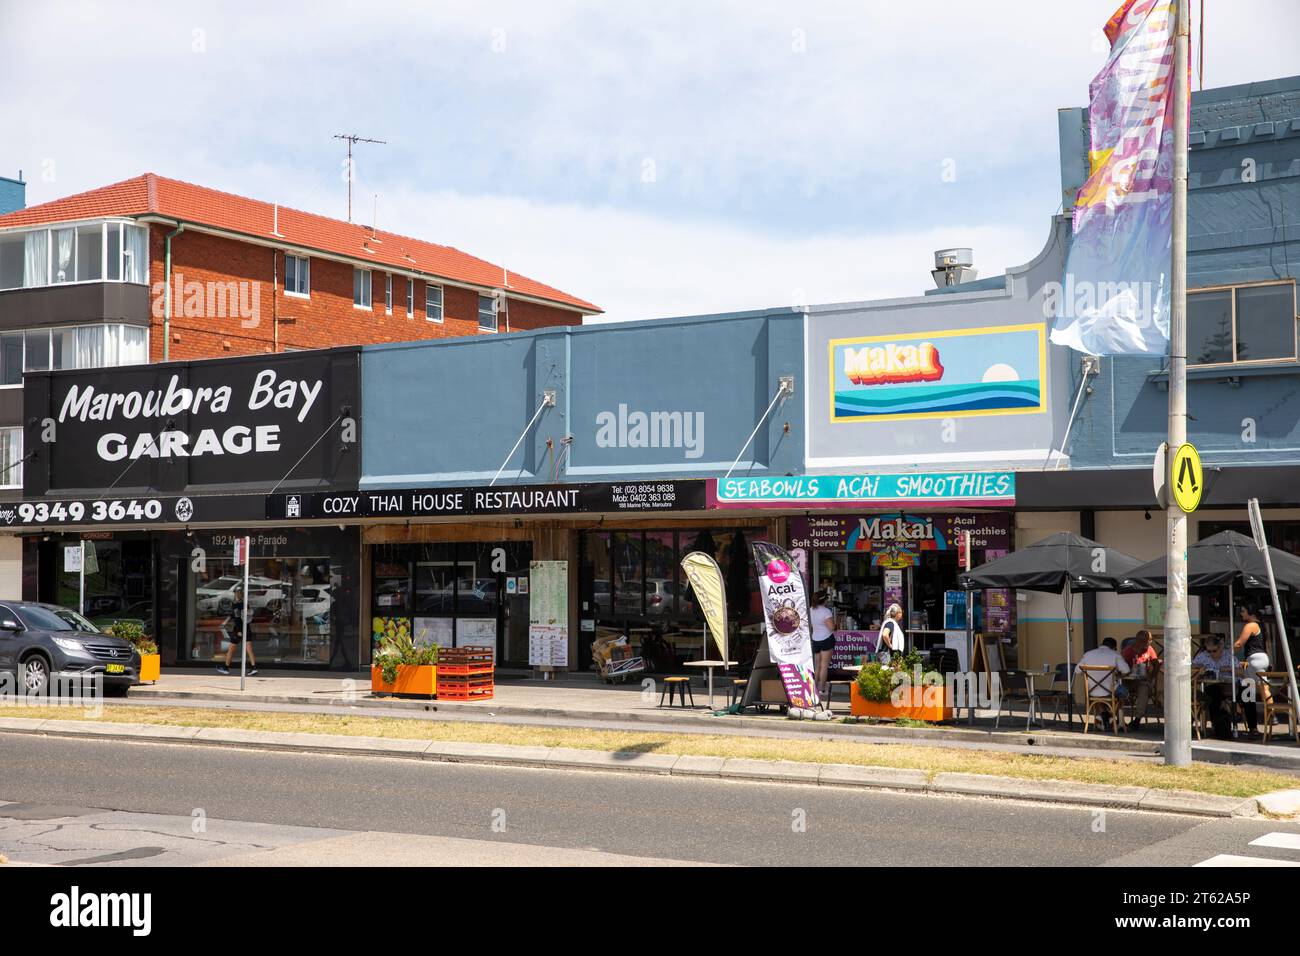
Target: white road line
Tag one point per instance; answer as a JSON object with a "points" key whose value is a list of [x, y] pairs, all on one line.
{"points": [[1228, 859], [1283, 841]]}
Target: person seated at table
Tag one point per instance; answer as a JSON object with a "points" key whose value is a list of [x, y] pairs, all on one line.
{"points": [[1141, 658], [1216, 666], [1104, 656]]}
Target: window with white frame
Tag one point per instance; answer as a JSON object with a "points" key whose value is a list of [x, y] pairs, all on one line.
{"points": [[361, 288], [85, 252], [297, 275], [1240, 325], [82, 346], [433, 303], [11, 457], [410, 297], [388, 293], [487, 313]]}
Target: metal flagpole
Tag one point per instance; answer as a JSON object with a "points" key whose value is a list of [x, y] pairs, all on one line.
{"points": [[243, 649], [1232, 653], [1178, 628], [81, 588]]}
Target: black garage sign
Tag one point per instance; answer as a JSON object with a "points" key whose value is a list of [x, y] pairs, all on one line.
{"points": [[517, 500], [248, 422]]}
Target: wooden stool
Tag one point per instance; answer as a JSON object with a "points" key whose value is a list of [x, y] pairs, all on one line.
{"points": [[679, 685]]}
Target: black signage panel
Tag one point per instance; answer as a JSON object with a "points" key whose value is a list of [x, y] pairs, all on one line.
{"points": [[517, 500], [126, 510], [239, 423], [345, 506]]}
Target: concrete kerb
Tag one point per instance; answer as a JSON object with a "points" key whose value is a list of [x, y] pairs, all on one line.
{"points": [[764, 771]]}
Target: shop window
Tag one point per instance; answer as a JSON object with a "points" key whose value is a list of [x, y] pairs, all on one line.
{"points": [[631, 584], [454, 594], [1245, 324], [390, 576], [660, 574], [289, 603]]}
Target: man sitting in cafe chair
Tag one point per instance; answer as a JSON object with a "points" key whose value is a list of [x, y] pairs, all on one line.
{"points": [[1104, 656]]}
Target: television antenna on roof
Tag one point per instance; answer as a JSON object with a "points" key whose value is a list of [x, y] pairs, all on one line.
{"points": [[354, 138]]}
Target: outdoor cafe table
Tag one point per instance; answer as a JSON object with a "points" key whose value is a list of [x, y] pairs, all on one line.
{"points": [[710, 665]]}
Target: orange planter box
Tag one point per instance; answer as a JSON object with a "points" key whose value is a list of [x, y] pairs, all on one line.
{"points": [[935, 711], [416, 680], [150, 667]]}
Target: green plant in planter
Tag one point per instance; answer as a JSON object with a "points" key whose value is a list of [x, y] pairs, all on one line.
{"points": [[132, 631], [875, 682], [401, 649]]}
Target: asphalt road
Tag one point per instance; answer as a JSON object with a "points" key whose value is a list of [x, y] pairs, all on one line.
{"points": [[91, 802]]}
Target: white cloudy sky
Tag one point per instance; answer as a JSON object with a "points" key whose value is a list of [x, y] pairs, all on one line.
{"points": [[794, 152]]}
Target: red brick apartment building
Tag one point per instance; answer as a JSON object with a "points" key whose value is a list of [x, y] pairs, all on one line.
{"points": [[247, 276], [153, 269]]}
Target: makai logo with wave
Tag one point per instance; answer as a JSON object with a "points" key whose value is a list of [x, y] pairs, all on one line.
{"points": [[984, 371]]}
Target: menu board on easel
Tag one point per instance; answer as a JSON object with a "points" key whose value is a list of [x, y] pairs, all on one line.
{"points": [[988, 655], [548, 614]]}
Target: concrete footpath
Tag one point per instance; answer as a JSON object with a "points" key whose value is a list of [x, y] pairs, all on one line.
{"points": [[582, 700], [736, 769]]}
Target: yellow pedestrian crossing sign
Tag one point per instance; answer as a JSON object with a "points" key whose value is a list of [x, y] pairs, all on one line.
{"points": [[1187, 477]]}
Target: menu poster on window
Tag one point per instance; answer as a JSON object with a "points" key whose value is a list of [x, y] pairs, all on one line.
{"points": [[997, 611], [548, 614], [548, 646], [433, 630], [893, 588], [476, 632]]}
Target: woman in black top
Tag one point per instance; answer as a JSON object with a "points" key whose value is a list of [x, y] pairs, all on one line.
{"points": [[1251, 644]]}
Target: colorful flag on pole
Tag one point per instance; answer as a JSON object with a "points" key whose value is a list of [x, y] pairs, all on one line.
{"points": [[789, 637], [710, 592], [1115, 297]]}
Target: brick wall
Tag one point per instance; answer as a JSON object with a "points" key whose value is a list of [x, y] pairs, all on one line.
{"points": [[233, 302]]}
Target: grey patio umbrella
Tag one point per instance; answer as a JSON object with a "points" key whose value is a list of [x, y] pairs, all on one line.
{"points": [[1059, 564], [1226, 559]]}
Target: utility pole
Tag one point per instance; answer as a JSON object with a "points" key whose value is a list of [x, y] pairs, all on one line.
{"points": [[1178, 627], [354, 138]]}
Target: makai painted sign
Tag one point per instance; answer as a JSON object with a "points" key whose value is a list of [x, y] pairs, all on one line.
{"points": [[897, 539], [996, 370]]}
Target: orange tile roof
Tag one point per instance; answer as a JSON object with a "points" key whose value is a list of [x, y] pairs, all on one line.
{"points": [[156, 195]]}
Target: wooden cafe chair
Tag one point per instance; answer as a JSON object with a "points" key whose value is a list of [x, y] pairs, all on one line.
{"points": [[1103, 678]]}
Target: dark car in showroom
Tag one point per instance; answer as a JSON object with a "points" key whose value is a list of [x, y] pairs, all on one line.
{"points": [[44, 642]]}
